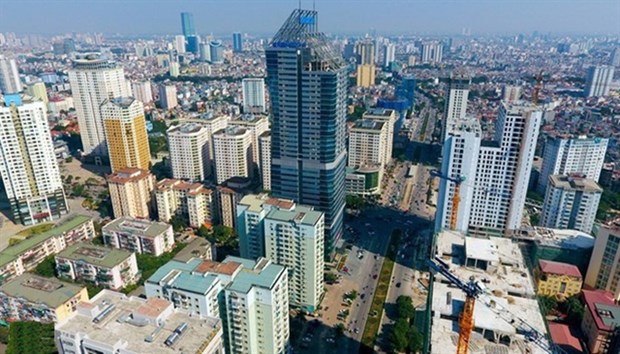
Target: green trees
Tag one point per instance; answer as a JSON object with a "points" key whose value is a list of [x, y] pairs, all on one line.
{"points": [[31, 337], [405, 336], [47, 268], [224, 238], [178, 223]]}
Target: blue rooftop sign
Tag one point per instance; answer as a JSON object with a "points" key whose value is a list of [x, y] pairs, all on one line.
{"points": [[306, 20], [13, 98]]}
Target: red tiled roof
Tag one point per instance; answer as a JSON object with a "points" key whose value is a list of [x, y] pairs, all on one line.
{"points": [[551, 267], [562, 336], [593, 297]]}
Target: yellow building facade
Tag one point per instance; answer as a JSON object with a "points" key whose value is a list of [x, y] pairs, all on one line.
{"points": [[366, 75], [125, 131], [557, 279]]}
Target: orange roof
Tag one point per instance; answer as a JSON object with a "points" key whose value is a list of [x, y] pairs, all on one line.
{"points": [[215, 267], [153, 307], [281, 203], [127, 175], [562, 335]]}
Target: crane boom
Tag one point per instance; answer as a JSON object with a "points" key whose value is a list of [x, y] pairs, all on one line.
{"points": [[473, 292], [456, 199]]}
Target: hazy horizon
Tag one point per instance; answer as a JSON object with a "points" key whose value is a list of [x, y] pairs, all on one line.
{"points": [[142, 17]]}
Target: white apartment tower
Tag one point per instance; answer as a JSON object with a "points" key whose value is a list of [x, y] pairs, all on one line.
{"points": [[598, 80], [456, 102], [142, 91], [604, 268], [571, 202], [256, 125], [290, 235], [189, 151], [179, 43], [389, 117], [511, 93], [368, 144], [93, 80], [9, 76], [264, 143], [233, 153], [168, 96], [432, 52], [191, 200], [253, 90], [28, 164], [131, 192], [461, 149], [564, 155], [389, 54], [494, 196]]}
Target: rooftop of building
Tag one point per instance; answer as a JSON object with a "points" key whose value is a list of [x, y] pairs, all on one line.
{"points": [[468, 125], [302, 214], [266, 134], [181, 185], [186, 128], [604, 310], [575, 183], [127, 175], [518, 107], [563, 336], [141, 326], [559, 268], [195, 276], [35, 289], [260, 273], [255, 202], [18, 99], [511, 275], [141, 227], [230, 131], [557, 238], [94, 254], [11, 253], [248, 118], [380, 112], [197, 248], [122, 102], [368, 125], [508, 290]]}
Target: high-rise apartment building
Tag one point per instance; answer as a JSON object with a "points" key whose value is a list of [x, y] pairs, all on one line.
{"points": [[168, 96], [174, 69], [38, 91], [237, 42], [511, 93], [131, 192], [598, 80], [366, 69], [564, 155], [193, 201], [273, 228], [28, 163], [189, 151], [251, 296], [307, 82], [432, 52], [95, 79], [614, 59], [9, 76], [389, 117], [389, 54], [264, 143], [142, 91], [254, 95], [495, 172], [604, 268], [179, 43], [233, 153], [571, 202], [456, 102], [256, 125], [368, 143], [257, 313], [125, 130]]}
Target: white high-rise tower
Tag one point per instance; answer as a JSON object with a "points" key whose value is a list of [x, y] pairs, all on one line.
{"points": [[9, 76], [456, 104], [254, 95], [93, 80], [27, 162]]}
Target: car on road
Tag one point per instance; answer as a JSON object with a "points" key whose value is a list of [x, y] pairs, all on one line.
{"points": [[357, 330], [362, 296], [398, 285], [374, 276]]}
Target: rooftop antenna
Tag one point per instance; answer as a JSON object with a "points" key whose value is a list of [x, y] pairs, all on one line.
{"points": [[300, 4], [313, 5]]}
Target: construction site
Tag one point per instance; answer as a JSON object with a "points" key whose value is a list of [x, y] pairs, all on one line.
{"points": [[483, 298]]}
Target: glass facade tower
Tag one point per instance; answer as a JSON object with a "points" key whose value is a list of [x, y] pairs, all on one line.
{"points": [[187, 24], [307, 81]]}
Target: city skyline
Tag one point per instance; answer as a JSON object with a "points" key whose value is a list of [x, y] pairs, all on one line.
{"points": [[341, 16]]}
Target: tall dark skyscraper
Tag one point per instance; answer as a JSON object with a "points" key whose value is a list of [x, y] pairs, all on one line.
{"points": [[307, 80], [237, 42], [187, 24]]}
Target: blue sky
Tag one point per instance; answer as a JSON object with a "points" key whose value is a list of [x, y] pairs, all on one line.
{"points": [[335, 16]]}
